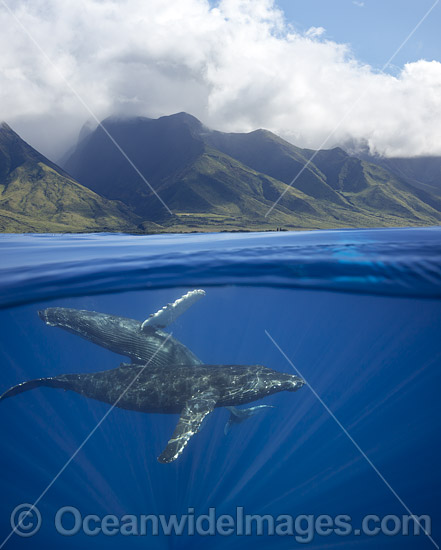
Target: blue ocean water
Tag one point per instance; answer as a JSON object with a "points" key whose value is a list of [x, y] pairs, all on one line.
{"points": [[357, 313]]}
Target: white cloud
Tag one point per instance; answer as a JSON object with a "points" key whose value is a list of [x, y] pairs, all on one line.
{"points": [[237, 66], [358, 3], [315, 32]]}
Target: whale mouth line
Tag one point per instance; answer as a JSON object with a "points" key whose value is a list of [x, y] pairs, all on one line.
{"points": [[297, 384]]}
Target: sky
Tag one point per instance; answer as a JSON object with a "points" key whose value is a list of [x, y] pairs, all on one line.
{"points": [[312, 71], [374, 29]]}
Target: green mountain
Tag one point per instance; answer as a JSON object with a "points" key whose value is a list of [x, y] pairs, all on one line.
{"points": [[38, 196], [213, 180], [420, 172]]}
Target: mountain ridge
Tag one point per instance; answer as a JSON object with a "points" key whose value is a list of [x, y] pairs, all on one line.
{"points": [[422, 172], [211, 181], [37, 195], [233, 179]]}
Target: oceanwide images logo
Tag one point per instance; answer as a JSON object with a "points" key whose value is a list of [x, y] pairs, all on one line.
{"points": [[68, 521]]}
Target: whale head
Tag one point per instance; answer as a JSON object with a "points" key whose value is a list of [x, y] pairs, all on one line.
{"points": [[287, 382], [264, 381]]}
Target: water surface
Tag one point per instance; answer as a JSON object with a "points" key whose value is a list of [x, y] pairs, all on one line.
{"points": [[356, 312]]}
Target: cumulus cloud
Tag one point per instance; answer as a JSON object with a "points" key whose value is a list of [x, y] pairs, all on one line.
{"points": [[237, 66], [315, 32]]}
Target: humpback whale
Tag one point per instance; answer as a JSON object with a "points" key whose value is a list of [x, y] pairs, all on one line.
{"points": [[164, 376], [193, 391], [140, 342]]}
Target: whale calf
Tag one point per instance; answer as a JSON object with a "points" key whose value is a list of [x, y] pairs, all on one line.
{"points": [[237, 416], [193, 391]]}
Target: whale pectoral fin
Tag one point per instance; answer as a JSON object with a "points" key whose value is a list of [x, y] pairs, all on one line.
{"points": [[194, 412], [169, 313], [239, 415]]}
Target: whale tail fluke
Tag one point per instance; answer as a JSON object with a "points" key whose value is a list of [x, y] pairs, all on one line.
{"points": [[30, 385]]}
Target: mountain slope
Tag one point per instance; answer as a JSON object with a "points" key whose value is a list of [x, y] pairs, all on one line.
{"points": [[156, 147], [267, 153], [199, 183], [331, 175], [420, 172], [214, 180], [36, 195], [371, 186]]}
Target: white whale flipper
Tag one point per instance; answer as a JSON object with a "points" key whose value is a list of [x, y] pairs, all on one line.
{"points": [[194, 412], [169, 313]]}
